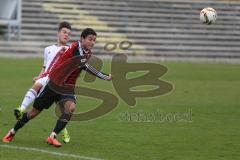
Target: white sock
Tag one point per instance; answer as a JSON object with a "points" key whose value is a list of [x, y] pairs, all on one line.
{"points": [[28, 99], [12, 131], [53, 135]]}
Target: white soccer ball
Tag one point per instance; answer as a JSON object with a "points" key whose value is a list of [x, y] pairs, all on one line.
{"points": [[208, 15]]}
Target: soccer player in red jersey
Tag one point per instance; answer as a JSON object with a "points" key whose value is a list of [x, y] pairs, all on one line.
{"points": [[51, 55], [60, 87]]}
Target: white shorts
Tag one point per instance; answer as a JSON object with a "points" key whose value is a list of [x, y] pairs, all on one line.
{"points": [[43, 81]]}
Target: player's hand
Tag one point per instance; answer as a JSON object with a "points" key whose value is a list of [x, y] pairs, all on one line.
{"points": [[110, 77]]}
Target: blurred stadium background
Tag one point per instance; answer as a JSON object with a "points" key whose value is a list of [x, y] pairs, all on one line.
{"points": [[162, 29]]}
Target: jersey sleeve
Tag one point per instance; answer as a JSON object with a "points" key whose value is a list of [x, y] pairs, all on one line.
{"points": [[90, 69], [70, 51]]}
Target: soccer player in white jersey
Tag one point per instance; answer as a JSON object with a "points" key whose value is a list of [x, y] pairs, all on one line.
{"points": [[51, 55], [63, 76]]}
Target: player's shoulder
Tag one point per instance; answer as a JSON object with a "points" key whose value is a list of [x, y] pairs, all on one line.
{"points": [[74, 44], [66, 46], [50, 47]]}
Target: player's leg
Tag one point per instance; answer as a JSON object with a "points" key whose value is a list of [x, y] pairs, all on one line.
{"points": [[44, 100], [27, 100], [69, 107], [30, 97], [64, 133], [20, 123]]}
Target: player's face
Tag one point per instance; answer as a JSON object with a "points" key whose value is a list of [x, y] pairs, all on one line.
{"points": [[64, 36], [88, 42]]}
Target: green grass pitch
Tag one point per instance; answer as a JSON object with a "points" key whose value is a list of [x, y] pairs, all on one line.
{"points": [[208, 93]]}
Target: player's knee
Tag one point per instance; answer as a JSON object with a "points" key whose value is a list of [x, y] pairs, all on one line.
{"points": [[69, 108], [72, 107]]}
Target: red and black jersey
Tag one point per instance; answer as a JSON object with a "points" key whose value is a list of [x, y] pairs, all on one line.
{"points": [[70, 64]]}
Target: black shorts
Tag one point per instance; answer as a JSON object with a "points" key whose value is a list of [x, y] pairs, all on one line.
{"points": [[47, 97]]}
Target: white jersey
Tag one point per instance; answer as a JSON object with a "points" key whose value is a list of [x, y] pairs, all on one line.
{"points": [[51, 55]]}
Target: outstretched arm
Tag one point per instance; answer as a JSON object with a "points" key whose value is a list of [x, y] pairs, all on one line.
{"points": [[97, 73]]}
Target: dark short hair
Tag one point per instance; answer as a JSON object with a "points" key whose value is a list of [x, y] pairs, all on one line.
{"points": [[88, 31], [64, 24]]}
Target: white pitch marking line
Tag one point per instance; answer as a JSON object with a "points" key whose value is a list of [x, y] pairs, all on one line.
{"points": [[49, 152]]}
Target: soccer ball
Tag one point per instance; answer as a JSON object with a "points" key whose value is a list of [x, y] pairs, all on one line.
{"points": [[208, 15]]}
